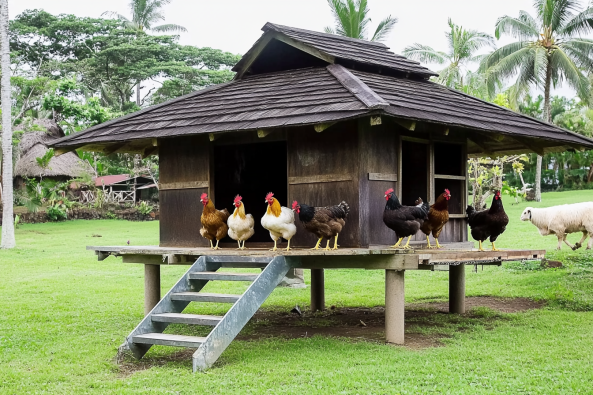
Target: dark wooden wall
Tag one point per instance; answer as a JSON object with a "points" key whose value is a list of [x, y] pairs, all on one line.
{"points": [[323, 171], [378, 150], [183, 161]]}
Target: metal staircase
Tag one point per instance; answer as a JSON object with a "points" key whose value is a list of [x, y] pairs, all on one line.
{"points": [[170, 309]]}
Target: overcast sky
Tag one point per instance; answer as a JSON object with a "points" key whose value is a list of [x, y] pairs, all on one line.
{"points": [[234, 25]]}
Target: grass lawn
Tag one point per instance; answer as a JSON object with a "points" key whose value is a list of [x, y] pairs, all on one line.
{"points": [[64, 314]]}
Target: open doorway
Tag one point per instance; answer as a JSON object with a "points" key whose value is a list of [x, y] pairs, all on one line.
{"points": [[414, 172], [250, 170]]}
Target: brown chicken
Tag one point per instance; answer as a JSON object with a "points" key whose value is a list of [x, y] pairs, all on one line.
{"points": [[214, 222], [323, 221], [438, 215]]}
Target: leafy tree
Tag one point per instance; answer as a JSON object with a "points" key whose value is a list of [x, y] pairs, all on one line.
{"points": [[532, 107], [463, 48], [550, 50], [351, 20]]}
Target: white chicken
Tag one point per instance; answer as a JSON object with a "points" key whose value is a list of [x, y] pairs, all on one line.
{"points": [[240, 224], [279, 221]]}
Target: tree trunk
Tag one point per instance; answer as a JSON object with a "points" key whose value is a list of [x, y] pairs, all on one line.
{"points": [[8, 240], [547, 118], [138, 93]]}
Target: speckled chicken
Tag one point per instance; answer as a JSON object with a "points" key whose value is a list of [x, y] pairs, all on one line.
{"points": [[323, 221]]}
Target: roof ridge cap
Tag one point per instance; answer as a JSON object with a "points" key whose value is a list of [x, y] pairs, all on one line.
{"points": [[357, 87], [140, 112], [277, 27]]}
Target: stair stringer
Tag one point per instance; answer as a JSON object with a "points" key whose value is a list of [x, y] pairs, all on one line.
{"points": [[240, 313], [166, 305]]}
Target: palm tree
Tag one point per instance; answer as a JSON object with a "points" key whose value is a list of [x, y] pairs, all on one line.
{"points": [[145, 13], [550, 50], [351, 20], [463, 45], [7, 195]]}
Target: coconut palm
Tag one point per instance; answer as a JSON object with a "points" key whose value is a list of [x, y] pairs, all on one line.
{"points": [[7, 192], [463, 48], [145, 13], [351, 20], [549, 50]]}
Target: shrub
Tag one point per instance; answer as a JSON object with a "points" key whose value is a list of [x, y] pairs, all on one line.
{"points": [[144, 208], [57, 213]]}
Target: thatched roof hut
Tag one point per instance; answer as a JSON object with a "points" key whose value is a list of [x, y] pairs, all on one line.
{"points": [[35, 144]]}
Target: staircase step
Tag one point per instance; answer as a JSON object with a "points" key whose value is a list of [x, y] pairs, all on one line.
{"points": [[194, 319], [240, 261], [223, 276], [169, 340], [205, 297]]}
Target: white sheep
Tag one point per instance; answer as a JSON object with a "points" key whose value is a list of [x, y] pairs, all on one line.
{"points": [[562, 220]]}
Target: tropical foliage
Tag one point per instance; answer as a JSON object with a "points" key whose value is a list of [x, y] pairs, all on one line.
{"points": [[351, 20]]}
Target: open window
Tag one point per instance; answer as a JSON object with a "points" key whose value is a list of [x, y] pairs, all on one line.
{"points": [[414, 172], [449, 173]]}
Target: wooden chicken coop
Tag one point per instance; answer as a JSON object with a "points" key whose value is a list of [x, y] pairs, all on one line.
{"points": [[317, 118]]}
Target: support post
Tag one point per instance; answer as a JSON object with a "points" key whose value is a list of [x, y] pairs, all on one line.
{"points": [[152, 287], [394, 306], [317, 290], [457, 289]]}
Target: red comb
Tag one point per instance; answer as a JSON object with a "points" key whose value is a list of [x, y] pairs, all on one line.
{"points": [[237, 199], [294, 204], [204, 196], [390, 190], [447, 192], [269, 196]]}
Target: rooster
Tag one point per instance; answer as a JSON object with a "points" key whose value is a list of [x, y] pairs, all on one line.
{"points": [[404, 220], [240, 224], [438, 215], [279, 221], [488, 223], [213, 222], [323, 221]]}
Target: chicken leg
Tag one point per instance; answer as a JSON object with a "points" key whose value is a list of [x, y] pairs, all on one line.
{"points": [[239, 242], [275, 248], [243, 245], [438, 245], [480, 248], [317, 245], [407, 246], [288, 246], [327, 246], [494, 247], [211, 245], [217, 247], [398, 243], [428, 241], [336, 243]]}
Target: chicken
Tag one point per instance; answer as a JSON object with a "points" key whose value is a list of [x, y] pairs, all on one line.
{"points": [[240, 224], [279, 221], [438, 216], [213, 222], [488, 223], [323, 221], [404, 220]]}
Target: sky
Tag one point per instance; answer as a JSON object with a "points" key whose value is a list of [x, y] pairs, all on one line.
{"points": [[234, 25]]}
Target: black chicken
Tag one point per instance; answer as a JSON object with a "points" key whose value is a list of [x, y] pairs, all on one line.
{"points": [[404, 220], [488, 223], [323, 221]]}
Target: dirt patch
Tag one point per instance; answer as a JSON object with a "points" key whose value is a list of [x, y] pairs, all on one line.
{"points": [[503, 305], [427, 324]]}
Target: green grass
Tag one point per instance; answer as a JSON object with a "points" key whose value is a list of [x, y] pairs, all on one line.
{"points": [[64, 314]]}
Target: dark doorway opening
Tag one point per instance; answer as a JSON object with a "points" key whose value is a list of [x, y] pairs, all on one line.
{"points": [[250, 170], [414, 172]]}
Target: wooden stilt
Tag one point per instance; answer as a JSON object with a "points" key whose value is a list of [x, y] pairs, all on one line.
{"points": [[394, 306], [152, 287], [317, 290], [457, 289]]}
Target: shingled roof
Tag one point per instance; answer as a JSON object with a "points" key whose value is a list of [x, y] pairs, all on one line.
{"points": [[315, 95]]}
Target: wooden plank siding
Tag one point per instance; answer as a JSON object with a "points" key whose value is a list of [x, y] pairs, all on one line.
{"points": [[182, 161], [323, 156]]}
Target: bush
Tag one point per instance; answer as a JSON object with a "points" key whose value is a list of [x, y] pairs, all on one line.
{"points": [[57, 213], [144, 208]]}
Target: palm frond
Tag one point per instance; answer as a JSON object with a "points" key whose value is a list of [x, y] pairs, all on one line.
{"points": [[520, 29], [540, 63], [169, 28], [508, 65], [425, 54], [384, 28], [329, 30], [497, 55], [115, 15], [580, 50], [582, 23], [567, 70]]}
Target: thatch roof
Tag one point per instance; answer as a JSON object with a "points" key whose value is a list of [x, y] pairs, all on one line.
{"points": [[35, 144]]}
